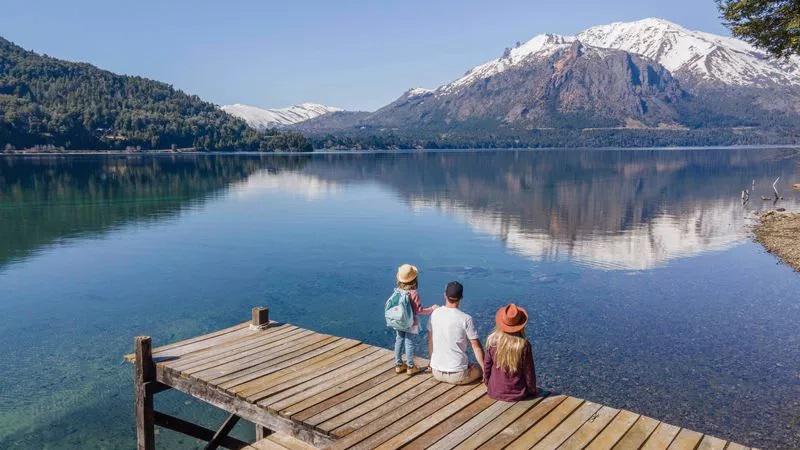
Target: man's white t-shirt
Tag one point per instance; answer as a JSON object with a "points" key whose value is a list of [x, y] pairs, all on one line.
{"points": [[451, 329]]}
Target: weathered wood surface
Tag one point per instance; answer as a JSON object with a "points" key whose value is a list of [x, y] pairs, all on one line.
{"points": [[316, 390]]}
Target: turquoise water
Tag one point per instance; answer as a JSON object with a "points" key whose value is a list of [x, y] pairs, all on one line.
{"points": [[644, 287]]}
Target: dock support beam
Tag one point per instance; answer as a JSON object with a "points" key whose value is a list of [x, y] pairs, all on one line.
{"points": [[222, 433], [144, 372]]}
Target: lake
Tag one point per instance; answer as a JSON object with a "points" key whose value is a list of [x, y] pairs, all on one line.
{"points": [[644, 287]]}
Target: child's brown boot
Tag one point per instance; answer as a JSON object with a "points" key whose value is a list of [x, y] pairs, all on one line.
{"points": [[412, 370], [400, 368]]}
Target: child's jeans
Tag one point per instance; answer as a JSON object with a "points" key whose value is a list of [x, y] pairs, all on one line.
{"points": [[404, 337]]}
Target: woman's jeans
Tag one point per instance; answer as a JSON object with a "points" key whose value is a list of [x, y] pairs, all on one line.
{"points": [[404, 337]]}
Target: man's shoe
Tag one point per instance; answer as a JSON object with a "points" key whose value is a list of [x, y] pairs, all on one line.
{"points": [[400, 368], [412, 370]]}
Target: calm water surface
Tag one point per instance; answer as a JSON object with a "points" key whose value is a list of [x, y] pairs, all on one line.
{"points": [[645, 289]]}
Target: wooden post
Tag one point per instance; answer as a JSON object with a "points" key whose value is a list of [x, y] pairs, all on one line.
{"points": [[144, 371], [260, 317], [261, 320]]}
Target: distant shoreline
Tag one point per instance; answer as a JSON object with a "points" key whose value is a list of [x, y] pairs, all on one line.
{"points": [[162, 152]]}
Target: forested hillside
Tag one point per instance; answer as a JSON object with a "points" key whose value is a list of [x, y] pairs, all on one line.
{"points": [[49, 102]]}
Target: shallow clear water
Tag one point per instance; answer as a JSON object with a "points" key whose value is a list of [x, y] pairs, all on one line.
{"points": [[644, 287]]}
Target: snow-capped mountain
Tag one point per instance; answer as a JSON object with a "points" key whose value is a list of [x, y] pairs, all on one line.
{"points": [[704, 55], [261, 118], [548, 82], [648, 74], [542, 45]]}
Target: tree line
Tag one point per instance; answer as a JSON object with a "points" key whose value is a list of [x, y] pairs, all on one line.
{"points": [[51, 103]]}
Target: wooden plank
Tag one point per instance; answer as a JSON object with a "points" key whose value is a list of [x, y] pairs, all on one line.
{"points": [[293, 366], [612, 433], [279, 386], [329, 360], [735, 446], [264, 444], [328, 398], [204, 344], [269, 355], [241, 348], [711, 443], [368, 400], [375, 420], [534, 434], [395, 416], [248, 411], [434, 419], [589, 430], [661, 437], [130, 357], [414, 416], [446, 426], [685, 440], [237, 347], [471, 426], [323, 372], [494, 427], [637, 434], [332, 379], [290, 442], [265, 365], [311, 381], [569, 426], [524, 422]]}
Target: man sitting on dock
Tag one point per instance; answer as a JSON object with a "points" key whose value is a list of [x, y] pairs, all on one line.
{"points": [[449, 330]]}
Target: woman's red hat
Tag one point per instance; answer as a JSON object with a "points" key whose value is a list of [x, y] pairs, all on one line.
{"points": [[511, 318]]}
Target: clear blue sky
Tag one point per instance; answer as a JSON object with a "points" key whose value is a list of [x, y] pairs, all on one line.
{"points": [[352, 54]]}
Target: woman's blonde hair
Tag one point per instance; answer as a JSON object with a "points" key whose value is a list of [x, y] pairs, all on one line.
{"points": [[509, 349]]}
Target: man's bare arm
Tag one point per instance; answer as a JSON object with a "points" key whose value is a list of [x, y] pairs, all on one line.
{"points": [[477, 349]]}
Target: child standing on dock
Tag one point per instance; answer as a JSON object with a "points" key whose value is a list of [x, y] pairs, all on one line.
{"points": [[402, 310], [509, 372]]}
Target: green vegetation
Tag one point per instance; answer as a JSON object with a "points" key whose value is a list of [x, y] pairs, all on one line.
{"points": [[373, 139], [770, 24], [50, 103]]}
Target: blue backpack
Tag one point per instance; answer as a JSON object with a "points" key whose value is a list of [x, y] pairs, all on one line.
{"points": [[398, 312]]}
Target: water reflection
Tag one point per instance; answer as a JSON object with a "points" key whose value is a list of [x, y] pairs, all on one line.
{"points": [[44, 200], [609, 209]]}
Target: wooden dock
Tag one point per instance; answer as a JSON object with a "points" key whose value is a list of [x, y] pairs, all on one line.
{"points": [[304, 390]]}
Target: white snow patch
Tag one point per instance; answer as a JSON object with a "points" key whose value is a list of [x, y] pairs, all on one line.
{"points": [[709, 56], [261, 118], [417, 91], [540, 46]]}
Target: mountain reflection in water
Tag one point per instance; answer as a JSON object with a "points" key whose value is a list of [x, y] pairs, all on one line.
{"points": [[613, 209]]}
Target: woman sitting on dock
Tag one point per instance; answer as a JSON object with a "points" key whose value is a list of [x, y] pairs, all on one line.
{"points": [[509, 372]]}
